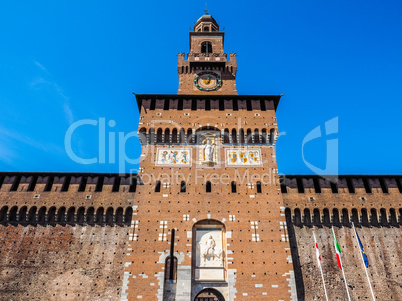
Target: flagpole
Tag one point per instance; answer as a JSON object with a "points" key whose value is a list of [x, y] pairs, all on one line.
{"points": [[322, 275], [365, 268], [343, 271]]}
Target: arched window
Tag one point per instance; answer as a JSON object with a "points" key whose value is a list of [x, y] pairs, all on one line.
{"points": [[22, 216], [241, 136], [264, 136], [189, 136], [51, 216], [61, 215], [345, 217], [374, 218], [174, 136], [327, 219], [206, 47], [365, 220], [32, 215], [316, 217], [234, 187], [249, 137], [384, 221], [143, 136], [81, 216], [335, 219], [109, 216], [181, 136], [70, 216], [128, 216], [167, 136], [99, 216], [42, 215], [272, 136], [208, 186], [91, 216], [152, 135], [234, 136], [392, 217], [183, 186], [209, 294], [257, 136], [13, 215], [307, 217], [119, 216], [259, 187], [226, 136], [159, 136], [297, 217], [355, 216], [3, 214], [158, 186]]}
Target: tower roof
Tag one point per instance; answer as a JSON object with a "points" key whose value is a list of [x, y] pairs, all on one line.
{"points": [[207, 18]]}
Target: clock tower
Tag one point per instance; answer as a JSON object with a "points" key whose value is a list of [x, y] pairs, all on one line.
{"points": [[207, 68]]}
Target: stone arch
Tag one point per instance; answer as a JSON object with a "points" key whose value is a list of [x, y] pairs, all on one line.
{"points": [[71, 216], [307, 217], [326, 218], [174, 135], [209, 294], [51, 216], [3, 214], [297, 218], [374, 217], [91, 216], [81, 216], [22, 215], [393, 221], [119, 216], [12, 216], [383, 217], [335, 217], [99, 216], [42, 215], [159, 136], [257, 136], [151, 135], [234, 136], [32, 215], [365, 219], [167, 136], [355, 217], [226, 139], [109, 216], [128, 216], [142, 135], [345, 217], [61, 215]]}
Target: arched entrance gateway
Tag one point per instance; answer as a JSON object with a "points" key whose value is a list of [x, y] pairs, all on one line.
{"points": [[209, 294]]}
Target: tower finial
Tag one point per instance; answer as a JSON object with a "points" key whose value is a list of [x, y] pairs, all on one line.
{"points": [[206, 9]]}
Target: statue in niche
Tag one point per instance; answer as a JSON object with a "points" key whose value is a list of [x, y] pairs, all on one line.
{"points": [[209, 151], [209, 253]]}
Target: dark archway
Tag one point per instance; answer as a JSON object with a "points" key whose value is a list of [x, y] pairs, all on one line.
{"points": [[209, 294]]}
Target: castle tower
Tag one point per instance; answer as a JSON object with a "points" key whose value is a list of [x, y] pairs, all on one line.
{"points": [[209, 220], [207, 68]]}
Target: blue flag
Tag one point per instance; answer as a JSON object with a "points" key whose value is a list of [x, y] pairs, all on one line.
{"points": [[361, 249]]}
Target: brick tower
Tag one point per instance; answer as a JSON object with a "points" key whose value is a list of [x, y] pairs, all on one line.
{"points": [[208, 221]]}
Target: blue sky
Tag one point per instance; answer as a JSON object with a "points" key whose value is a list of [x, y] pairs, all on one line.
{"points": [[64, 61]]}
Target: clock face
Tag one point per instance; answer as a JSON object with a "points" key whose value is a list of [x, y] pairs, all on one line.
{"points": [[207, 81]]}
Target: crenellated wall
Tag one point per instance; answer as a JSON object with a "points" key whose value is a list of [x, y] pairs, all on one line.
{"points": [[64, 236], [374, 205]]}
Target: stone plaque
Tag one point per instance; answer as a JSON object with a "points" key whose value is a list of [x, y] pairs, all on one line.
{"points": [[243, 157], [173, 157]]}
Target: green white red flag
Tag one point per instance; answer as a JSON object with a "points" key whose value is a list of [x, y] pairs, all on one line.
{"points": [[338, 250]]}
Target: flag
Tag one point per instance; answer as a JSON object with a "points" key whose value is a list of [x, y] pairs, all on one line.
{"points": [[317, 253], [338, 250], [361, 249]]}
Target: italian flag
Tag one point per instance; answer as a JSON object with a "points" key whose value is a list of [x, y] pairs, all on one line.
{"points": [[338, 250]]}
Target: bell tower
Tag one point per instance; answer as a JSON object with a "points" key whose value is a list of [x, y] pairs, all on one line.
{"points": [[207, 69]]}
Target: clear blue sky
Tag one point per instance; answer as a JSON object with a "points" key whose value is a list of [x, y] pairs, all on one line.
{"points": [[62, 61]]}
